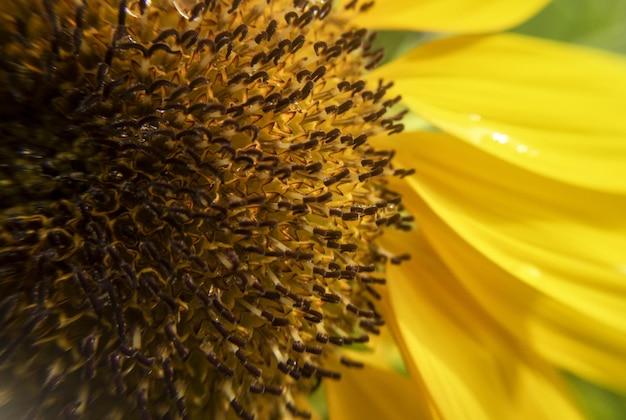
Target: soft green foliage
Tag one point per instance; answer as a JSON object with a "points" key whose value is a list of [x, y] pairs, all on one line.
{"points": [[598, 403], [595, 23]]}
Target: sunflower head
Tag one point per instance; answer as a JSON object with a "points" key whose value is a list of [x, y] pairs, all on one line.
{"points": [[189, 204]]}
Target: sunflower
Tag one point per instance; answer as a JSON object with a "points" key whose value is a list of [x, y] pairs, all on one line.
{"points": [[194, 196]]}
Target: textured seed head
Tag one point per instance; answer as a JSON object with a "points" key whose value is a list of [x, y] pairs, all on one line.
{"points": [[188, 205]]}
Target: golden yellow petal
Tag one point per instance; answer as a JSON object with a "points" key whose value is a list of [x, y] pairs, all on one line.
{"points": [[550, 108], [472, 367], [465, 16], [375, 393], [545, 259]]}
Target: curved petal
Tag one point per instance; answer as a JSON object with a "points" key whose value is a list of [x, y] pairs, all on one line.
{"points": [[546, 259], [552, 109], [461, 16], [374, 393], [472, 367]]}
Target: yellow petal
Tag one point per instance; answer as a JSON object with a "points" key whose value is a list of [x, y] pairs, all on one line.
{"points": [[374, 393], [547, 107], [545, 259], [473, 369], [466, 16]]}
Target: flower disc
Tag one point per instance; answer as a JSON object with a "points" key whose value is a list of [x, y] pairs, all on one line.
{"points": [[189, 205]]}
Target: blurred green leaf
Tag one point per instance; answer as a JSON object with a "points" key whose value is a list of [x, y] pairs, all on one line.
{"points": [[595, 23], [318, 401], [396, 43], [598, 403]]}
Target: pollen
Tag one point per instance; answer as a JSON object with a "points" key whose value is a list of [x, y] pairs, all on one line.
{"points": [[189, 205]]}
